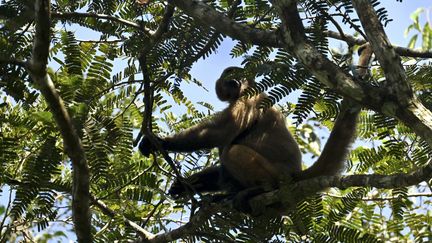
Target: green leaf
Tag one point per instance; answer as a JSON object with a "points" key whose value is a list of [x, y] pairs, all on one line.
{"points": [[415, 16], [43, 116], [412, 42], [427, 37]]}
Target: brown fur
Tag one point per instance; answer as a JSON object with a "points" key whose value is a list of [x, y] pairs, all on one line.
{"points": [[256, 148], [263, 156]]}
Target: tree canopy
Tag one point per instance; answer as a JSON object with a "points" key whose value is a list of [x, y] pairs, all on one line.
{"points": [[72, 111]]}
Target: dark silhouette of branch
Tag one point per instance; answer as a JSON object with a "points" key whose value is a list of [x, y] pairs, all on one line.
{"points": [[37, 68]]}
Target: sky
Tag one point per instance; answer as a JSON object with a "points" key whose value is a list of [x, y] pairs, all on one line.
{"points": [[208, 70]]}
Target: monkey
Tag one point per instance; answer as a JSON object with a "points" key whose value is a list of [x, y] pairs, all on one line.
{"points": [[365, 58], [256, 149], [251, 141]]}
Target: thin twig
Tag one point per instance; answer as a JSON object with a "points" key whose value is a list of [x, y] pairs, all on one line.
{"points": [[71, 15], [152, 212], [106, 210], [383, 198]]}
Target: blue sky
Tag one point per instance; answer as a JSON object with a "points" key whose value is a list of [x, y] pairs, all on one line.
{"points": [[209, 69]]}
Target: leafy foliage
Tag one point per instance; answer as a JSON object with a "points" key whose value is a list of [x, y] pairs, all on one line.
{"points": [[99, 80]]}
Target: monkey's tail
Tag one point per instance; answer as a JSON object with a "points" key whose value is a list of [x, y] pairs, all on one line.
{"points": [[333, 156]]}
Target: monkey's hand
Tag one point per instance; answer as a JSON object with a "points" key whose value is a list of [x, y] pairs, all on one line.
{"points": [[177, 190], [146, 147]]}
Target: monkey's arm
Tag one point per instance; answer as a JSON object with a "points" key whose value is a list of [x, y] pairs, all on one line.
{"points": [[332, 158], [216, 132], [209, 134]]}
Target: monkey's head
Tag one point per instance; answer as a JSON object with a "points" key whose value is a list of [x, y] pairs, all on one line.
{"points": [[232, 83]]}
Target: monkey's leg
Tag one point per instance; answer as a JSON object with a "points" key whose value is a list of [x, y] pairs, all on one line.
{"points": [[250, 168], [206, 180], [255, 173]]}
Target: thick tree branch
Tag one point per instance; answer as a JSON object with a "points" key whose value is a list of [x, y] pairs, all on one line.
{"points": [[409, 111], [400, 99], [74, 149], [263, 37], [415, 115], [164, 24], [223, 24], [293, 34], [390, 61], [303, 189], [309, 187]]}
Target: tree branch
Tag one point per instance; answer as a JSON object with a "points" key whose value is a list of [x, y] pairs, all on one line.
{"points": [[309, 187], [293, 34], [164, 24], [222, 23], [351, 40], [107, 211], [187, 229], [264, 203], [255, 36], [410, 111], [394, 72], [374, 198], [71, 15], [74, 149], [400, 99]]}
